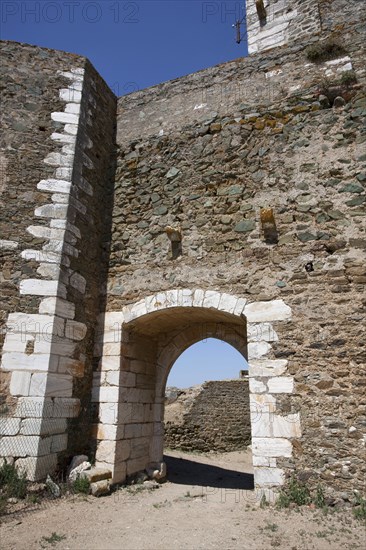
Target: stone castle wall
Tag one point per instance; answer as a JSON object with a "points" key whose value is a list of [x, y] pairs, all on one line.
{"points": [[58, 161], [307, 163], [210, 170], [213, 417], [29, 98], [261, 174], [244, 83]]}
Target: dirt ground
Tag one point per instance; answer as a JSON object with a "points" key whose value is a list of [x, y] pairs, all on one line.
{"points": [[206, 504]]}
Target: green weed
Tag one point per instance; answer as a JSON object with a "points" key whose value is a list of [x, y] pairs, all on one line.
{"points": [[272, 527], [162, 504], [34, 499], [319, 499], [360, 508], [81, 485], [3, 505], [324, 51], [134, 489], [295, 492], [321, 534], [53, 539], [348, 78], [12, 484]]}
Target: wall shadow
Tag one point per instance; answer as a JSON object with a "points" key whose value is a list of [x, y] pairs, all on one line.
{"points": [[188, 472]]}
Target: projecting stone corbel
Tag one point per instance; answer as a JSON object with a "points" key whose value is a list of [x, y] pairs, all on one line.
{"points": [[175, 236]]}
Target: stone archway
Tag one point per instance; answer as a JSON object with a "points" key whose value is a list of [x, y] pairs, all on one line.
{"points": [[137, 349]]}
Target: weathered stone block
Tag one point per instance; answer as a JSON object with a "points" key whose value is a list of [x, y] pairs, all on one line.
{"points": [[34, 407], [271, 447], [51, 385], [70, 95], [261, 332], [42, 256], [8, 245], [133, 430], [78, 281], [37, 468], [108, 413], [267, 368], [20, 383], [269, 476], [24, 362], [75, 330], [66, 407], [259, 312], [136, 465], [58, 443], [257, 386], [9, 426], [22, 445], [24, 324], [257, 350], [16, 342], [110, 362], [105, 394], [37, 287], [106, 451], [107, 431], [43, 426], [57, 306], [67, 118], [57, 211], [262, 425], [260, 461], [211, 299], [286, 426], [54, 186], [97, 474], [281, 384]]}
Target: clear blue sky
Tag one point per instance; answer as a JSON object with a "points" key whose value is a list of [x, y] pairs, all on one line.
{"points": [[133, 44], [210, 359]]}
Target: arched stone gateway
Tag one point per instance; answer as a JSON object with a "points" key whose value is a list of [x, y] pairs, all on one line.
{"points": [[197, 182], [140, 344]]}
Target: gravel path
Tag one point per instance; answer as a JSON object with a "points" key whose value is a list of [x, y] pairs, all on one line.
{"points": [[207, 504]]}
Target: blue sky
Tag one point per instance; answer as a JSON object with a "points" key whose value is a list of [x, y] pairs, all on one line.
{"points": [[133, 45], [210, 359]]}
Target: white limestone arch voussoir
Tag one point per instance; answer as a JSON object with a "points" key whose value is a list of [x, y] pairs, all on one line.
{"points": [[186, 297]]}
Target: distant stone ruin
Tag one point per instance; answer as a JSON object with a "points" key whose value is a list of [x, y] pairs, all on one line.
{"points": [[214, 416]]}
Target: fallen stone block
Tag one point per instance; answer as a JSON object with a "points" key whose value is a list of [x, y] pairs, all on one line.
{"points": [[76, 472], [96, 474], [100, 488]]}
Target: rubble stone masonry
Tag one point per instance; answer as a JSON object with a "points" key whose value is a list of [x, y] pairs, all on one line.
{"points": [[214, 416], [257, 169]]}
